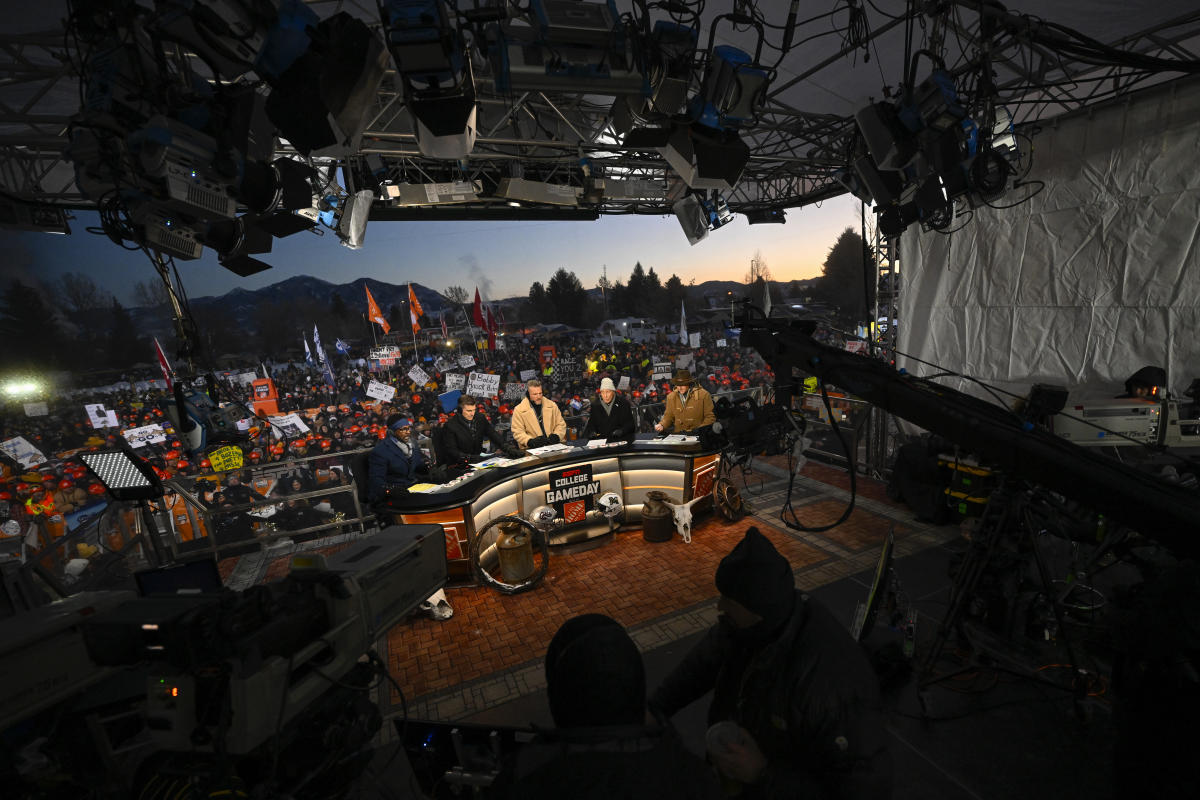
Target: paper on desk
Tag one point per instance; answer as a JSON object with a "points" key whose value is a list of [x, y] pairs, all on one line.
{"points": [[597, 442], [423, 487], [498, 461], [550, 448], [680, 438]]}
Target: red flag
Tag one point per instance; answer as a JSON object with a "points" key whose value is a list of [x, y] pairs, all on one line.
{"points": [[414, 308], [491, 330], [478, 314], [374, 313], [162, 363]]}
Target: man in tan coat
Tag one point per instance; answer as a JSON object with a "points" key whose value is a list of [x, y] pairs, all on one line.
{"points": [[536, 421], [688, 407]]}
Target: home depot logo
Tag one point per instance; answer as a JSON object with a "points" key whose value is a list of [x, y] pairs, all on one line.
{"points": [[572, 492]]}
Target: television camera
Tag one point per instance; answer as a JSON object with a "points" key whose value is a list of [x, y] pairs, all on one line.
{"points": [[263, 692]]}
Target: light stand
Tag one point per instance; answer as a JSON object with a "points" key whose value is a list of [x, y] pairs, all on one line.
{"points": [[128, 477]]}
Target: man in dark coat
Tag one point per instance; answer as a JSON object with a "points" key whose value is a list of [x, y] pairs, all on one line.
{"points": [[395, 462], [601, 747], [789, 676], [611, 416], [463, 434]]}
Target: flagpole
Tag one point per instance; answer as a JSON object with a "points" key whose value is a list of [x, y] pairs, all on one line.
{"points": [[471, 325], [412, 319]]}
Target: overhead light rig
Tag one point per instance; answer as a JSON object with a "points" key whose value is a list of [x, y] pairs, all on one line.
{"points": [[619, 107]]}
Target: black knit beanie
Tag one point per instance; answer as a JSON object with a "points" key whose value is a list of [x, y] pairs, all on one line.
{"points": [[758, 577], [594, 674]]}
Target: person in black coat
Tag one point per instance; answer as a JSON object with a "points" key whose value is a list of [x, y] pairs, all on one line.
{"points": [[395, 462], [463, 434], [797, 698], [611, 416]]}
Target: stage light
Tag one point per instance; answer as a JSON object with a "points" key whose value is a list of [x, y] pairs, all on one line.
{"points": [[21, 388], [124, 475]]}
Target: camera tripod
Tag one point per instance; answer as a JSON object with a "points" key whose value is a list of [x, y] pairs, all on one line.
{"points": [[1016, 515]]}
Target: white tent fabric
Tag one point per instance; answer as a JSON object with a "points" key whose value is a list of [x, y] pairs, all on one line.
{"points": [[1095, 277]]}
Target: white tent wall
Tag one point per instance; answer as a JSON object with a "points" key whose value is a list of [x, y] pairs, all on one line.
{"points": [[1095, 277]]}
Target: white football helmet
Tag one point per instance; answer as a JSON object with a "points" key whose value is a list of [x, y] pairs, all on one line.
{"points": [[543, 518], [610, 505]]}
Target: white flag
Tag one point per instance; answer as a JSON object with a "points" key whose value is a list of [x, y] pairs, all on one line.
{"points": [[317, 344], [683, 334]]}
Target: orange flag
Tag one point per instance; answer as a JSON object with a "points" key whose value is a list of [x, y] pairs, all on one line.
{"points": [[414, 308], [374, 313]]}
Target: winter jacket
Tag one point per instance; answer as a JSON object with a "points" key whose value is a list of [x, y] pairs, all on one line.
{"points": [[808, 697], [462, 440], [615, 425], [387, 466], [525, 422], [687, 415]]}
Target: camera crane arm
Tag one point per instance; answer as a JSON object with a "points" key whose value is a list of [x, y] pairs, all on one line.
{"points": [[1166, 513]]}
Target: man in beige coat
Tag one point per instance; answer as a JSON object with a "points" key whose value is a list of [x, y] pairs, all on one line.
{"points": [[688, 407], [536, 421]]}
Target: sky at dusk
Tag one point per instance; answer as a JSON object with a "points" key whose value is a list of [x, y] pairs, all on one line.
{"points": [[502, 258]]}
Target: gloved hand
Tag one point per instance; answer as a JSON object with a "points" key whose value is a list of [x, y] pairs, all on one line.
{"points": [[422, 469], [512, 451], [553, 438], [537, 441]]}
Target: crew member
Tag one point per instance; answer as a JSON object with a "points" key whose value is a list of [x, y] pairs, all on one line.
{"points": [[395, 462], [611, 416], [536, 421], [688, 407], [787, 674], [463, 435]]}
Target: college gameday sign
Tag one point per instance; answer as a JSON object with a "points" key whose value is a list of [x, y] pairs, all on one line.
{"points": [[572, 492]]}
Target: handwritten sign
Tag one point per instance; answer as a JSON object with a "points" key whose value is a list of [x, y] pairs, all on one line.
{"points": [[455, 380], [466, 362], [418, 376], [482, 384], [381, 391], [685, 361], [528, 374], [514, 390], [721, 342], [146, 434], [226, 458], [623, 384], [694, 339]]}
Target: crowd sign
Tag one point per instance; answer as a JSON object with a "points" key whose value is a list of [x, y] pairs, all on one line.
{"points": [[685, 361], [466, 362], [146, 434], [694, 339], [662, 369], [38, 409], [514, 390], [226, 458], [567, 368], [418, 375], [528, 374], [387, 351], [100, 418], [442, 364], [856, 346], [287, 425], [20, 450], [721, 342], [623, 384], [482, 384], [455, 380], [572, 492], [381, 391]]}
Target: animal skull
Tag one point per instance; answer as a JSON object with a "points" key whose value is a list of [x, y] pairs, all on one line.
{"points": [[683, 517]]}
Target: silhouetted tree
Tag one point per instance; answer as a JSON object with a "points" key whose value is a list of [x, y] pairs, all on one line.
{"points": [[844, 276], [125, 346], [30, 335], [567, 297]]}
